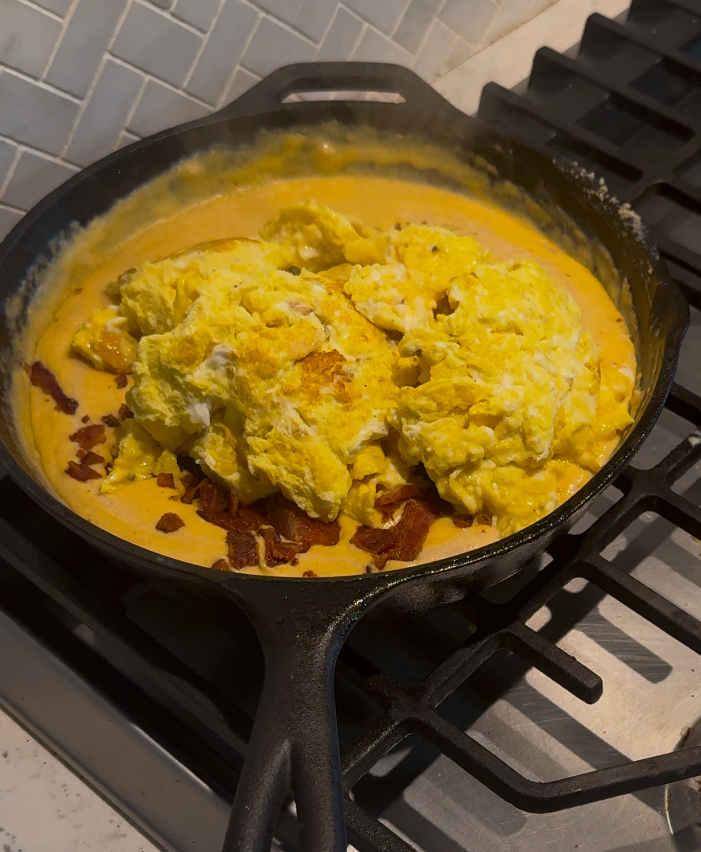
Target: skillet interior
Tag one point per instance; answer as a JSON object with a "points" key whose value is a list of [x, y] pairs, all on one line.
{"points": [[569, 205]]}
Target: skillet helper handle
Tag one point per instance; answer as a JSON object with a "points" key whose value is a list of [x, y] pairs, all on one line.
{"points": [[294, 744], [270, 93]]}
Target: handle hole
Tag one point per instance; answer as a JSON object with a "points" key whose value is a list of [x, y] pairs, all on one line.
{"points": [[344, 95]]}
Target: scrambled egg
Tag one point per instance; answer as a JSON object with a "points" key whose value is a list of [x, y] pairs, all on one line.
{"points": [[332, 362]]}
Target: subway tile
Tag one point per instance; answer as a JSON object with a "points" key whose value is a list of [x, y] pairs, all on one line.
{"points": [[511, 14], [382, 14], [161, 107], [126, 138], [27, 37], [314, 17], [415, 24], [197, 13], [283, 10], [33, 178], [7, 157], [157, 44], [242, 82], [58, 7], [162, 4], [342, 37], [84, 43], [460, 53], [8, 219], [223, 50], [105, 114], [433, 57], [35, 115], [374, 47], [469, 20], [273, 45]]}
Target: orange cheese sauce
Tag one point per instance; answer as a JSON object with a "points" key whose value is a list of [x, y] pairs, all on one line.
{"points": [[133, 510]]}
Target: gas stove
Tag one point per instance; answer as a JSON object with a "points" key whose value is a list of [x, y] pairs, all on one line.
{"points": [[578, 704]]}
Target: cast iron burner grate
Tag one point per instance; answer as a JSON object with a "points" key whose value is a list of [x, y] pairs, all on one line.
{"points": [[626, 106]]}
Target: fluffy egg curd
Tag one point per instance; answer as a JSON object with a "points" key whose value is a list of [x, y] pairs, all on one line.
{"points": [[369, 373]]}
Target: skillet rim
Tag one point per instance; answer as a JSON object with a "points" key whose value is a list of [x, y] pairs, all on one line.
{"points": [[469, 564]]}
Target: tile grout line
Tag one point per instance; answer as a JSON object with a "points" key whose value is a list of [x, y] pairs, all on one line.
{"points": [[66, 23], [436, 18], [165, 13], [399, 21], [11, 170], [37, 8], [205, 42], [40, 84], [240, 64], [134, 106]]}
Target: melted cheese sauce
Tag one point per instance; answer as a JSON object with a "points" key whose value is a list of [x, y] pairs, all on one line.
{"points": [[132, 511]]}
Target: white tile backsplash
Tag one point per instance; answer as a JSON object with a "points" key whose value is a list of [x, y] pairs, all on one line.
{"points": [[80, 78], [17, 51]]}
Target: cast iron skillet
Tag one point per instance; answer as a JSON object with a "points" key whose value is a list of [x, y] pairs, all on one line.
{"points": [[302, 623]]}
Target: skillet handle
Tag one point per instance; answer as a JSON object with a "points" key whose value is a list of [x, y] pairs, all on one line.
{"points": [[270, 93], [294, 743]]}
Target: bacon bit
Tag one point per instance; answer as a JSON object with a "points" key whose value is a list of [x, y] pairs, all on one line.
{"points": [[224, 520], [125, 412], [483, 519], [170, 522], [243, 549], [222, 565], [370, 569], [213, 497], [121, 381], [295, 525], [174, 497], [309, 574], [190, 483], [405, 492], [81, 454], [88, 436], [234, 501], [82, 472], [43, 378], [403, 541], [85, 419], [166, 480], [277, 552], [253, 515], [78, 291], [462, 521], [93, 458], [110, 420]]}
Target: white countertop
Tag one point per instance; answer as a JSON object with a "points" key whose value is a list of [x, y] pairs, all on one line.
{"points": [[45, 807]]}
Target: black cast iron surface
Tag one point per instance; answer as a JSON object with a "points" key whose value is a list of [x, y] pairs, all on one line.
{"points": [[641, 134]]}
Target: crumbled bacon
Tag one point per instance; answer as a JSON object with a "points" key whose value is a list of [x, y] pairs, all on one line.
{"points": [[405, 492], [243, 549], [309, 574], [82, 472], [222, 565], [121, 381], [110, 420], [170, 522], [93, 458], [462, 521], [125, 412], [295, 525], [277, 552], [213, 497], [191, 484], [81, 454], [166, 480], [254, 515], [225, 520], [88, 436], [233, 501], [403, 541], [483, 519], [85, 418], [43, 378]]}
